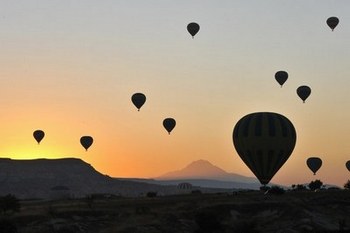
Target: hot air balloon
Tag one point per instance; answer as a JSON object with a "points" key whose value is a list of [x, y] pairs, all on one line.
{"points": [[184, 186], [314, 163], [169, 124], [193, 28], [264, 141], [138, 99], [304, 92], [38, 135], [347, 164], [281, 77], [86, 141], [332, 22]]}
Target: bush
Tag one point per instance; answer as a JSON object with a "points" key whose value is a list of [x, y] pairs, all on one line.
{"points": [[264, 188], [9, 203], [347, 185], [276, 190], [298, 187], [316, 184], [196, 191], [151, 194]]}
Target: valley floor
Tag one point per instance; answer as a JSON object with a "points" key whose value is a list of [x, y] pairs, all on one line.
{"points": [[242, 212]]}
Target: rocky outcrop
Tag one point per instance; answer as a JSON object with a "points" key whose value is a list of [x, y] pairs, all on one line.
{"points": [[37, 178]]}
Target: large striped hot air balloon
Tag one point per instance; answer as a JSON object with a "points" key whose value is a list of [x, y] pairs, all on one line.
{"points": [[264, 141]]}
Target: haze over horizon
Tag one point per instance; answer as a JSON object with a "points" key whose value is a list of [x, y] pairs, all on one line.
{"points": [[70, 68]]}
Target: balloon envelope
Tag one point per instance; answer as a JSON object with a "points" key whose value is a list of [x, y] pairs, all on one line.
{"points": [[193, 28], [169, 124], [314, 163], [348, 165], [138, 99], [86, 141], [264, 141], [304, 92], [332, 22], [281, 77], [38, 135], [184, 186]]}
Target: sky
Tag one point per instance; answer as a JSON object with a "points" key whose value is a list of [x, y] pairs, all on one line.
{"points": [[70, 68]]}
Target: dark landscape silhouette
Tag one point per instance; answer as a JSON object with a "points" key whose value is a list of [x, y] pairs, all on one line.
{"points": [[68, 195]]}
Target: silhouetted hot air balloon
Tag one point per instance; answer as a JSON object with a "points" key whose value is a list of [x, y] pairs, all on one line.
{"points": [[193, 28], [304, 92], [169, 124], [332, 22], [138, 99], [184, 186], [86, 141], [38, 135], [314, 163], [264, 141], [347, 164], [281, 77]]}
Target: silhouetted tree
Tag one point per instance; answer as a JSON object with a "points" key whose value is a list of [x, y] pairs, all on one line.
{"points": [[9, 203], [298, 187], [301, 187], [316, 184], [276, 190], [347, 185]]}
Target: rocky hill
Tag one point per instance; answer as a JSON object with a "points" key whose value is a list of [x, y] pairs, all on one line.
{"points": [[69, 177]]}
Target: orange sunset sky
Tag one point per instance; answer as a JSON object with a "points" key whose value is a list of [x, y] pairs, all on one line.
{"points": [[70, 67]]}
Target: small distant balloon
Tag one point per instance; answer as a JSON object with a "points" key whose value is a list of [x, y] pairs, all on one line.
{"points": [[281, 77], [169, 124], [347, 164], [184, 186], [86, 141], [193, 28], [314, 163], [138, 99], [304, 92], [38, 135], [332, 22]]}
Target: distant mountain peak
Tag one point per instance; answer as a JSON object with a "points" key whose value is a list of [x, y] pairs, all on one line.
{"points": [[203, 169], [201, 162]]}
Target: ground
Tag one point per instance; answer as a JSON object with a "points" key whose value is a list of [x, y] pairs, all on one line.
{"points": [[241, 212]]}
